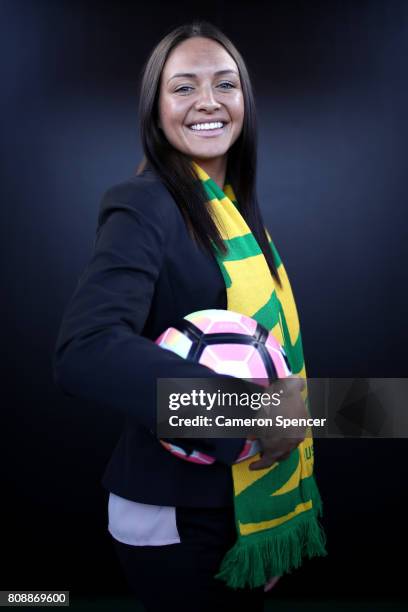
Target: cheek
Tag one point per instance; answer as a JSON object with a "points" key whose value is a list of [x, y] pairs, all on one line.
{"points": [[237, 107], [172, 112]]}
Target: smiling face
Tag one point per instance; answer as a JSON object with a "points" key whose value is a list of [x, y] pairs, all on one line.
{"points": [[201, 97]]}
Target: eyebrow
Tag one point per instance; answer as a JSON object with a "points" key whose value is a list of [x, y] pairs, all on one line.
{"points": [[191, 75]]}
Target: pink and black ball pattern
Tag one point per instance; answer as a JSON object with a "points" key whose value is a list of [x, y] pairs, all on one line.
{"points": [[228, 343]]}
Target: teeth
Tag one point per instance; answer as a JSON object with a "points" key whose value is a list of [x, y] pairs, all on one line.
{"points": [[207, 126]]}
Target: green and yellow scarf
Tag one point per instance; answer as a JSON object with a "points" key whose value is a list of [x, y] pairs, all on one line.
{"points": [[276, 508]]}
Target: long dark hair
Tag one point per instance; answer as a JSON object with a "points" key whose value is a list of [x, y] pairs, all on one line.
{"points": [[174, 167]]}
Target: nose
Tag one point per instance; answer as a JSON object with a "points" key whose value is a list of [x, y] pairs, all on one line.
{"points": [[206, 99]]}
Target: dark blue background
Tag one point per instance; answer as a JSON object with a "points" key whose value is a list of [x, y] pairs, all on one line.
{"points": [[330, 80]]}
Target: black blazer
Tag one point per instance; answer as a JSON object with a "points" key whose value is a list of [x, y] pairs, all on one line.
{"points": [[145, 273]]}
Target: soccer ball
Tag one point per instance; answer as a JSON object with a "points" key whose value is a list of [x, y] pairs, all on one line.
{"points": [[228, 343]]}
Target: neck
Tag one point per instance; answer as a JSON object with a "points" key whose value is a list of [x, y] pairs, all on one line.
{"points": [[215, 168]]}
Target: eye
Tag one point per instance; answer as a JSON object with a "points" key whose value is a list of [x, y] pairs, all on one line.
{"points": [[183, 87]]}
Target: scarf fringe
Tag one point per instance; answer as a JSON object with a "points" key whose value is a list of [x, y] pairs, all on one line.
{"points": [[253, 561]]}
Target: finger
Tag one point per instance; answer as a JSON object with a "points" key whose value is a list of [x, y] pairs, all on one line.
{"points": [[264, 462], [285, 456], [295, 383], [302, 383]]}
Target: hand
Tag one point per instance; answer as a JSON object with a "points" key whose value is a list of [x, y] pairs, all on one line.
{"points": [[274, 446], [271, 583]]}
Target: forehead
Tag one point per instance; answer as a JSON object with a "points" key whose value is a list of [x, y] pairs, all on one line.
{"points": [[198, 55]]}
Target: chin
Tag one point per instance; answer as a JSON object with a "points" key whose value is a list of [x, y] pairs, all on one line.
{"points": [[208, 154]]}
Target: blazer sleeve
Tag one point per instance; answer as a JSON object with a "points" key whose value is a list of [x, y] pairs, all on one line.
{"points": [[100, 354]]}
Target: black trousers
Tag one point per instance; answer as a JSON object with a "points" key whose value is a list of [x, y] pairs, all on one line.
{"points": [[180, 577]]}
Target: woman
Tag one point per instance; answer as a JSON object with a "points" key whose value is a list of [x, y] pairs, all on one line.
{"points": [[171, 521]]}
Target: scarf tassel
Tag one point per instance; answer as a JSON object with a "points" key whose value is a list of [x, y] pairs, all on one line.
{"points": [[256, 560]]}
